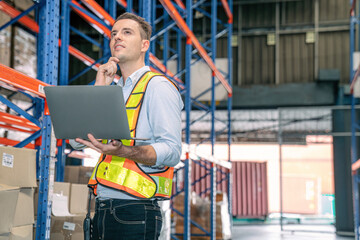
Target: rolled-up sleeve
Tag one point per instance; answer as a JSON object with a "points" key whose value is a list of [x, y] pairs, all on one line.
{"points": [[166, 104]]}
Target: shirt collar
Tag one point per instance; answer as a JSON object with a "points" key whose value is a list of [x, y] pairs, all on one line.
{"points": [[134, 77]]}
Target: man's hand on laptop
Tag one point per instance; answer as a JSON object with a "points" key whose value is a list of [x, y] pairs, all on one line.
{"points": [[112, 148], [106, 72]]}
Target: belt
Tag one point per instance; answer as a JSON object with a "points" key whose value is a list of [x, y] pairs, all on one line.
{"points": [[111, 203]]}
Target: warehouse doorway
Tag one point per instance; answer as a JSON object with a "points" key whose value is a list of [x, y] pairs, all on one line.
{"points": [[306, 171]]}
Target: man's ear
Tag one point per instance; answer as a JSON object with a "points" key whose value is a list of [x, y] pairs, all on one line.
{"points": [[145, 45]]}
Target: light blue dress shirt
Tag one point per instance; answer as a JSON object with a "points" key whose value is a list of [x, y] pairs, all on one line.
{"points": [[159, 121]]}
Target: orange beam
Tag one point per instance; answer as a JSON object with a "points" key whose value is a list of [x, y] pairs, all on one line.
{"points": [[99, 11], [98, 26], [180, 3], [182, 25], [227, 10], [9, 142], [15, 128], [17, 121], [25, 20], [122, 3], [22, 81]]}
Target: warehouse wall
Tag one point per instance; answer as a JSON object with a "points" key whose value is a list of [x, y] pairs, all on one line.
{"points": [[297, 43]]}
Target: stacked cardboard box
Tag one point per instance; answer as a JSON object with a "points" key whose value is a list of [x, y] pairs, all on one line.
{"points": [[69, 228], [5, 40], [78, 174], [17, 183], [200, 214], [67, 221]]}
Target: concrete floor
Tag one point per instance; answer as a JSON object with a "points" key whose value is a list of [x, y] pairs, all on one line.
{"points": [[273, 232]]}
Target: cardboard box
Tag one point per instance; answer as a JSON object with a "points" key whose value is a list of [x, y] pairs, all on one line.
{"points": [[62, 188], [85, 174], [5, 40], [8, 200], [19, 233], [18, 167], [67, 228], [78, 174], [35, 201], [79, 198], [24, 212], [72, 174]]}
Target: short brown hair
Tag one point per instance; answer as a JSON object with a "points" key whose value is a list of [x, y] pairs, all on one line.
{"points": [[145, 28]]}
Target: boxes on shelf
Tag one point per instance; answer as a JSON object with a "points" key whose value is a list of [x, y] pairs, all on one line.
{"points": [[8, 201], [73, 197], [19, 233], [78, 174], [5, 40], [18, 167], [24, 213], [79, 198], [200, 214], [67, 228]]}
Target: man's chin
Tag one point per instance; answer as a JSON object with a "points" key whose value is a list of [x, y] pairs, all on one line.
{"points": [[121, 58]]}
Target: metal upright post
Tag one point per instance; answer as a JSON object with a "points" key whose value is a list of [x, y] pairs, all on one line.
{"points": [[49, 40], [146, 13], [38, 110], [63, 78], [213, 134], [153, 18], [280, 167], [187, 175], [166, 40], [179, 50], [110, 7], [229, 104], [129, 7], [65, 41]]}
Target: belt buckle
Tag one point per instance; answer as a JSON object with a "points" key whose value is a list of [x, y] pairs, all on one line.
{"points": [[102, 204]]}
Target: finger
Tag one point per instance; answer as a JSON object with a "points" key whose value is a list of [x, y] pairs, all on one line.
{"points": [[88, 144], [95, 142], [111, 69], [114, 59], [116, 143]]}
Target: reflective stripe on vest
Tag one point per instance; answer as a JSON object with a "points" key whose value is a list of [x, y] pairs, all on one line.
{"points": [[124, 174]]}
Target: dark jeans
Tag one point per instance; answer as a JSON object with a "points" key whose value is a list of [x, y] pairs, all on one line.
{"points": [[117, 219]]}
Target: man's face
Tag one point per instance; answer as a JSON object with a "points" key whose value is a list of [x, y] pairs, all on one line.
{"points": [[126, 43]]}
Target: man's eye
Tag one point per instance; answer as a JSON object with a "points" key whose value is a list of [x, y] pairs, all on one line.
{"points": [[113, 34], [127, 32]]}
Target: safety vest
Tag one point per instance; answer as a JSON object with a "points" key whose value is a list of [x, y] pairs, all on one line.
{"points": [[124, 174]]}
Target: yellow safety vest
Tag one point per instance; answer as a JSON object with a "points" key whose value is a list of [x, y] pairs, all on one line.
{"points": [[124, 174]]}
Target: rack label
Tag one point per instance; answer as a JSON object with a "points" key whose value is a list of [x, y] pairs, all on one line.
{"points": [[41, 89], [8, 160], [69, 226]]}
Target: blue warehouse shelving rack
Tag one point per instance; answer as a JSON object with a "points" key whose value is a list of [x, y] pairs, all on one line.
{"points": [[166, 17]]}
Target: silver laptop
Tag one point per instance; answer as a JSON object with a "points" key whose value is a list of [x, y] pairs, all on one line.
{"points": [[76, 111]]}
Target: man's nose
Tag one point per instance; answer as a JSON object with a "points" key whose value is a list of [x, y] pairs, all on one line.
{"points": [[118, 36]]}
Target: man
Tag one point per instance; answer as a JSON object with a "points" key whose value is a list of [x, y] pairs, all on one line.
{"points": [[131, 176]]}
